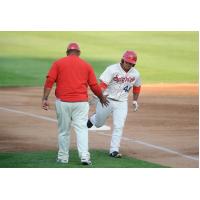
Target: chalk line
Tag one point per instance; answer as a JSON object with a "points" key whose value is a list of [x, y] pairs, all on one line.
{"points": [[106, 128], [155, 147], [103, 128]]}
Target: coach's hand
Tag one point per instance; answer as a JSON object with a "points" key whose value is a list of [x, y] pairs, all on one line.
{"points": [[45, 104], [104, 101], [135, 106]]}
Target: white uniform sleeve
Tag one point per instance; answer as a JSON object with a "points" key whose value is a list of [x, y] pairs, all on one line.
{"points": [[106, 76], [138, 81]]}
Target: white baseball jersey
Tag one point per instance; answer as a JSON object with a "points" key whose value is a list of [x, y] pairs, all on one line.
{"points": [[119, 82]]}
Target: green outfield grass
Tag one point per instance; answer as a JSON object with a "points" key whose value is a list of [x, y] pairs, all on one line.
{"points": [[47, 159], [163, 57]]}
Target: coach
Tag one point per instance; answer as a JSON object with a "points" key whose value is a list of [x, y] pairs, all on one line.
{"points": [[72, 76]]}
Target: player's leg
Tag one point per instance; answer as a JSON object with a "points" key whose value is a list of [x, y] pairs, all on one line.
{"points": [[119, 116], [102, 113], [79, 119], [63, 112]]}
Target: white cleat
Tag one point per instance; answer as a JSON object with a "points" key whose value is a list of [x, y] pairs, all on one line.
{"points": [[86, 161], [62, 161]]}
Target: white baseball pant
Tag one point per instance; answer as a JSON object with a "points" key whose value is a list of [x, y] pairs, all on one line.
{"points": [[72, 114], [119, 112]]}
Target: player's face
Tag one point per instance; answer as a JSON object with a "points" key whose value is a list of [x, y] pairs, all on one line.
{"points": [[127, 66]]}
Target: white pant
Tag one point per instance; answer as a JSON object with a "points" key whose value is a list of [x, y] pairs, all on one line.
{"points": [[119, 111], [76, 115]]}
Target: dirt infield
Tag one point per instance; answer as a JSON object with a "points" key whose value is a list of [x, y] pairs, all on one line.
{"points": [[165, 130]]}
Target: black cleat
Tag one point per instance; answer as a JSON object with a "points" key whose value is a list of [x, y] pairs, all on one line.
{"points": [[89, 124], [86, 162], [116, 154]]}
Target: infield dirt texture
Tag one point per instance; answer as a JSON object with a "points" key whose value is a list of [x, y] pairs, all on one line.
{"points": [[165, 130]]}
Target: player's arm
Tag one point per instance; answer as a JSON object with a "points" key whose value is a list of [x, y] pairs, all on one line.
{"points": [[136, 92]]}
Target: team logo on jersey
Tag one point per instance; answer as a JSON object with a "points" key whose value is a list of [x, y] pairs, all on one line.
{"points": [[123, 79]]}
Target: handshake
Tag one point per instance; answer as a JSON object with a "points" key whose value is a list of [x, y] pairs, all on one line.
{"points": [[103, 100]]}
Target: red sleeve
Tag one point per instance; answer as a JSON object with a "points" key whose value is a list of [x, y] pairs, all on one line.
{"points": [[136, 89], [92, 82], [52, 76], [49, 83], [103, 85], [96, 90], [91, 77]]}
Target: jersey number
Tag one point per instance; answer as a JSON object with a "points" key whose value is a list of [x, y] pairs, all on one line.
{"points": [[127, 88]]}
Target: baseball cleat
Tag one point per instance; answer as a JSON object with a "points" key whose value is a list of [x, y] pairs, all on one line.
{"points": [[89, 124], [62, 161], [116, 154], [86, 162]]}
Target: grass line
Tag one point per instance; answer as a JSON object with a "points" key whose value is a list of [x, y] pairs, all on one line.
{"points": [[47, 159]]}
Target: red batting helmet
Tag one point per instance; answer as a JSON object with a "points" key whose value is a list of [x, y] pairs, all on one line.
{"points": [[130, 57], [73, 46]]}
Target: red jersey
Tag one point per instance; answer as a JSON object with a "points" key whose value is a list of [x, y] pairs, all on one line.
{"points": [[72, 76]]}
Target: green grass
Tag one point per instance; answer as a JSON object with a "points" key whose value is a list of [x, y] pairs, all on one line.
{"points": [[163, 57], [47, 159], [31, 72]]}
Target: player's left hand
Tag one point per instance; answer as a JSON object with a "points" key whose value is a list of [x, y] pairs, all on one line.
{"points": [[135, 106]]}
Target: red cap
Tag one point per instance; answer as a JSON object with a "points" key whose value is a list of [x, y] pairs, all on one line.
{"points": [[73, 46], [130, 57]]}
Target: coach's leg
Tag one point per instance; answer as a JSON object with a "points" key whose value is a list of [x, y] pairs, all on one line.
{"points": [[119, 117], [79, 119], [63, 112]]}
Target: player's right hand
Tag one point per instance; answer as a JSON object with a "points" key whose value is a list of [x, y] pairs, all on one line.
{"points": [[45, 104]]}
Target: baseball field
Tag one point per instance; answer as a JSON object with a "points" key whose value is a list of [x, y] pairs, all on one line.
{"points": [[163, 133]]}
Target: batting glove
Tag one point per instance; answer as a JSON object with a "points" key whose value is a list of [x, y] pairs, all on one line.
{"points": [[135, 106]]}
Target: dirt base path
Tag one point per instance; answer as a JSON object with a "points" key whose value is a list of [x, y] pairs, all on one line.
{"points": [[165, 130]]}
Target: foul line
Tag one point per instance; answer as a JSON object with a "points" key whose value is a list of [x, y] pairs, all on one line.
{"points": [[103, 128], [155, 147], [29, 114], [106, 128]]}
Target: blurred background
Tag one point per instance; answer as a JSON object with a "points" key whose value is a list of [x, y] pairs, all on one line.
{"points": [[163, 57]]}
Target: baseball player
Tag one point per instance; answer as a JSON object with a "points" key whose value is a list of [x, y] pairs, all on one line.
{"points": [[72, 76], [116, 82]]}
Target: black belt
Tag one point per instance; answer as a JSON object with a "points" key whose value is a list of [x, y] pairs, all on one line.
{"points": [[113, 99]]}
